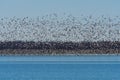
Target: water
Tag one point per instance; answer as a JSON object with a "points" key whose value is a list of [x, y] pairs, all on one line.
{"points": [[60, 68]]}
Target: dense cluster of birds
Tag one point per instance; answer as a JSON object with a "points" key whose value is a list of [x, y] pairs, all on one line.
{"points": [[60, 28]]}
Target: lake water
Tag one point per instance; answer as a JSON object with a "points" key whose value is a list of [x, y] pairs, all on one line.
{"points": [[60, 68]]}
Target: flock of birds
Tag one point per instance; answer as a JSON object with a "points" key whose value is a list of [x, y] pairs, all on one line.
{"points": [[60, 28]]}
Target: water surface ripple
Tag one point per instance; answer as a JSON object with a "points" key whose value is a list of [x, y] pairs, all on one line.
{"points": [[60, 68]]}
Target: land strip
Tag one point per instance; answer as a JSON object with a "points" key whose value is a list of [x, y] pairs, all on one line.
{"points": [[58, 48]]}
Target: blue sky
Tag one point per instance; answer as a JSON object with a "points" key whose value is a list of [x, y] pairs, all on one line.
{"points": [[33, 8]]}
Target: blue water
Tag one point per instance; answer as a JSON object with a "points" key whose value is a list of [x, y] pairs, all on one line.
{"points": [[60, 68]]}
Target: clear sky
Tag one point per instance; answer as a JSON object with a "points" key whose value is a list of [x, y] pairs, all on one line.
{"points": [[32, 8]]}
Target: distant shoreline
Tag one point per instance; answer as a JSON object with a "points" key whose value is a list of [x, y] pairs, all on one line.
{"points": [[59, 48], [24, 52]]}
